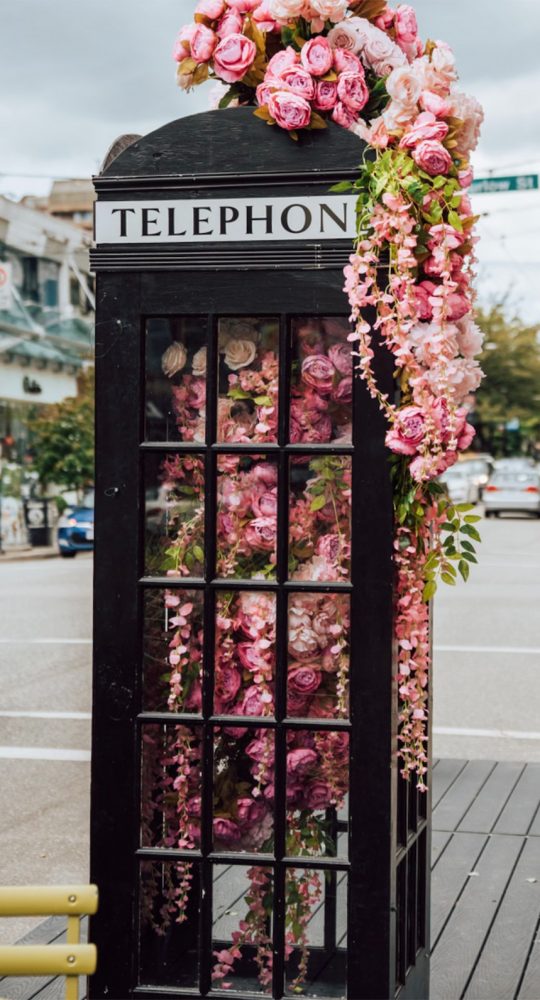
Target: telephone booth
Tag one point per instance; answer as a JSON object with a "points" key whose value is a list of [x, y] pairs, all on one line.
{"points": [[250, 833]]}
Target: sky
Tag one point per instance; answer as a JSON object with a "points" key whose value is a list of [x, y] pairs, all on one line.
{"points": [[74, 75]]}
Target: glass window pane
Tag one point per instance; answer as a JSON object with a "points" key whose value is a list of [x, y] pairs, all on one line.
{"points": [[172, 650], [316, 933], [175, 407], [243, 789], [317, 789], [321, 380], [174, 515], [171, 786], [243, 901], [320, 518], [318, 644], [248, 349], [245, 653], [168, 924], [246, 517]]}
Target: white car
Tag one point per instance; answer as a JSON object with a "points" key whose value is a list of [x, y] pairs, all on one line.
{"points": [[461, 488], [516, 491]]}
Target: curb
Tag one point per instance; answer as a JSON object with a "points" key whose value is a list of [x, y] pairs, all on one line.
{"points": [[26, 555]]}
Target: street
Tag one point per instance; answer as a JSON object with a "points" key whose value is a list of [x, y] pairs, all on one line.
{"points": [[486, 684]]}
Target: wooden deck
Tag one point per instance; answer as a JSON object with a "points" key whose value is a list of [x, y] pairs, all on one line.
{"points": [[485, 891]]}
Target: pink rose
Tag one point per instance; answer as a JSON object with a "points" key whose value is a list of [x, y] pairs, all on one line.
{"points": [[341, 358], [347, 62], [379, 51], [425, 127], [317, 56], [203, 43], [265, 505], [289, 111], [281, 61], [250, 657], [343, 116], [181, 48], [318, 433], [263, 17], [344, 36], [243, 6], [249, 811], [405, 24], [423, 293], [265, 472], [458, 306], [230, 24], [298, 704], [439, 106], [325, 95], [212, 9], [343, 391], [407, 434], [304, 680], [197, 394], [300, 760], [233, 56], [225, 829], [299, 81], [258, 750], [251, 703], [318, 372], [432, 157], [228, 683], [318, 795], [352, 91], [260, 534]]}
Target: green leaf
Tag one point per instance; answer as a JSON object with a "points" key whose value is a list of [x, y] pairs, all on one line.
{"points": [[318, 503], [464, 569], [447, 578], [468, 529], [263, 401], [342, 186], [464, 507], [198, 553], [469, 557], [472, 518], [468, 546], [429, 590], [238, 394], [455, 221]]}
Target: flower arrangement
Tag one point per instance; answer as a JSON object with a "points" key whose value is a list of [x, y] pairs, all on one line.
{"points": [[302, 64]]}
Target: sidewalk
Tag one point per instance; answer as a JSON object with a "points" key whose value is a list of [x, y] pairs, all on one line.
{"points": [[24, 552]]}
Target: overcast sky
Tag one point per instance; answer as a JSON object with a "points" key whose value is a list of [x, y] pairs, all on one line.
{"points": [[74, 75]]}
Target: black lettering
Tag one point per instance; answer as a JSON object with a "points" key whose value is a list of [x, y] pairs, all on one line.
{"points": [[147, 222], [250, 219], [197, 221], [225, 219], [342, 223], [308, 218], [172, 224], [123, 218]]}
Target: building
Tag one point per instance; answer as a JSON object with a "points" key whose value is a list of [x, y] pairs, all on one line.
{"points": [[46, 316], [68, 200]]}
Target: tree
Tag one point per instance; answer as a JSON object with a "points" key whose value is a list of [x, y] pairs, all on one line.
{"points": [[62, 440], [511, 388]]}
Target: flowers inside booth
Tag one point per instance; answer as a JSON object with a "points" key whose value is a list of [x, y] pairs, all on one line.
{"points": [[302, 64]]}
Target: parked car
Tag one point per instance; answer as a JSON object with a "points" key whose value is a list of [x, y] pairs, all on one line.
{"points": [[514, 464], [76, 528], [517, 490], [478, 469], [461, 487]]}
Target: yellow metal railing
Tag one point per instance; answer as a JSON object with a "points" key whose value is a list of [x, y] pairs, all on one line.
{"points": [[72, 959]]}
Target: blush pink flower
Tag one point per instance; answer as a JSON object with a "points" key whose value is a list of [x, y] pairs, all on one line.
{"points": [[282, 60], [352, 91], [346, 62], [408, 432], [432, 157], [439, 106], [233, 56], [289, 111], [329, 10], [405, 24], [317, 56], [318, 372], [230, 24], [299, 81], [404, 86], [212, 9], [325, 95], [203, 43], [425, 127]]}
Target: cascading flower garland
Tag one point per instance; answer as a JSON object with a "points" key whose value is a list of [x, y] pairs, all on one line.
{"points": [[362, 65]]}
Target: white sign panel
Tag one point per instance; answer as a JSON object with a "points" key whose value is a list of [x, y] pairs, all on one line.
{"points": [[320, 217], [6, 285]]}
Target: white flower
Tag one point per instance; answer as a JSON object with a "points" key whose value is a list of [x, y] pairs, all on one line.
{"points": [[330, 10], [239, 354], [470, 337], [344, 36], [378, 50], [173, 359], [198, 365], [285, 10], [404, 85]]}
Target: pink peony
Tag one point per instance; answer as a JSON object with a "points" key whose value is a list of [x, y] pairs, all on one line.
{"points": [[233, 57], [318, 372], [458, 306], [251, 703], [249, 811], [285, 10], [299, 81], [325, 95], [260, 534], [228, 683], [341, 358], [243, 6], [203, 43], [300, 760], [282, 60], [346, 62], [265, 472], [289, 111], [263, 18], [343, 115], [432, 157], [328, 547], [466, 177], [225, 829], [304, 680], [422, 294], [352, 91], [405, 24], [212, 9], [407, 433], [251, 658], [318, 795], [265, 505], [181, 48], [329, 10], [230, 24], [317, 56], [343, 391], [426, 126], [470, 338], [439, 106]]}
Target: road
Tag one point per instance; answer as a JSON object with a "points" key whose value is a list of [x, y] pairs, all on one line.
{"points": [[486, 685]]}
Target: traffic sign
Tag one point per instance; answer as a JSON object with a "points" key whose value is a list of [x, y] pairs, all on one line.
{"points": [[5, 285], [499, 185]]}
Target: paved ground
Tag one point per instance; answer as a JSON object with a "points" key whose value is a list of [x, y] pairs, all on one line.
{"points": [[487, 678]]}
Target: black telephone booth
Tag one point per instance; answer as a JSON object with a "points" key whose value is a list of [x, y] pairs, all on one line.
{"points": [[250, 834]]}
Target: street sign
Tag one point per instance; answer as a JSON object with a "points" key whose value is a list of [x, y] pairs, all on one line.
{"points": [[5, 285], [499, 185]]}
